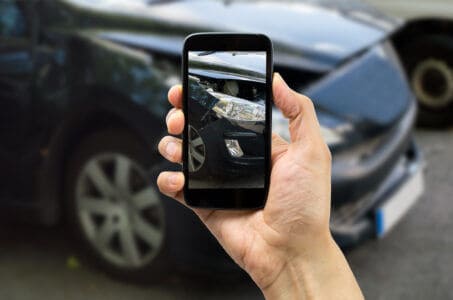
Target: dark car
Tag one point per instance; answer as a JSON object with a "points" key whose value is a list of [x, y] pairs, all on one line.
{"points": [[425, 45], [83, 87], [227, 119]]}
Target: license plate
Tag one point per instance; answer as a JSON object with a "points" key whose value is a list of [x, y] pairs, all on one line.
{"points": [[388, 214]]}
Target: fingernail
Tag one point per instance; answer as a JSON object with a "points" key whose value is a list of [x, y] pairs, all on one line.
{"points": [[173, 179], [280, 78], [171, 148]]}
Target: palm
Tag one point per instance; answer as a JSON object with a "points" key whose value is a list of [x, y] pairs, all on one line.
{"points": [[240, 232], [299, 192], [247, 236]]}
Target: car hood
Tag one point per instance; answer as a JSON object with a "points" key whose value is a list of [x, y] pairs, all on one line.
{"points": [[228, 66], [315, 35]]}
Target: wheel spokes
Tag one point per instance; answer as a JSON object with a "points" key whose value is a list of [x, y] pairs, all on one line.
{"points": [[147, 232], [129, 245], [122, 173], [196, 150], [191, 162], [120, 214], [145, 198], [100, 206], [99, 179], [196, 142], [197, 156], [105, 233]]}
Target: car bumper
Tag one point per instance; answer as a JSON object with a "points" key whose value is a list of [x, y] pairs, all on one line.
{"points": [[367, 178], [349, 226], [363, 219], [225, 164]]}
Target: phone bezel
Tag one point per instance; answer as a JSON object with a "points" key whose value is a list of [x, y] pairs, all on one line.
{"points": [[240, 198]]}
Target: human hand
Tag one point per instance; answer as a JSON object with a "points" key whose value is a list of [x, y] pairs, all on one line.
{"points": [[288, 243]]}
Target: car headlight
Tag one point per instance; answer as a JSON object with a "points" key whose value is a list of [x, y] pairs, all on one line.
{"points": [[331, 137], [281, 126], [238, 109]]}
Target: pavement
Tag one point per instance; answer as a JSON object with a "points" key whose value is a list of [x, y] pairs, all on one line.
{"points": [[414, 261]]}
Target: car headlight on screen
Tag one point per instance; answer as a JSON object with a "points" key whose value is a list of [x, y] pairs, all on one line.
{"points": [[238, 109]]}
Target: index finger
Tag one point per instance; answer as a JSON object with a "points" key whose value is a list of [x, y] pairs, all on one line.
{"points": [[175, 96]]}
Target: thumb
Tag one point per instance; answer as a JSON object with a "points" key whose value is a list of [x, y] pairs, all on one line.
{"points": [[298, 108]]}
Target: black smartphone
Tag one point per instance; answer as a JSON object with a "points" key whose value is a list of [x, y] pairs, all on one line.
{"points": [[227, 96]]}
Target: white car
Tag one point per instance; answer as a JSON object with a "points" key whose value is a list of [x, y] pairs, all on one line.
{"points": [[425, 44]]}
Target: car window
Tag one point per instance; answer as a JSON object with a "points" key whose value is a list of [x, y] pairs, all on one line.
{"points": [[12, 20]]}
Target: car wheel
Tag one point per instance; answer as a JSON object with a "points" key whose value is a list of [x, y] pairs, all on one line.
{"points": [[429, 64], [114, 208], [197, 150]]}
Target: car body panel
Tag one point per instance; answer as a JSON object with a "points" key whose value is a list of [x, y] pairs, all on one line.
{"points": [[111, 62], [321, 45], [374, 108], [415, 9]]}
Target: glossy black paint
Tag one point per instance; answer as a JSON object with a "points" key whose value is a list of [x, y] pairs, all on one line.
{"points": [[79, 66]]}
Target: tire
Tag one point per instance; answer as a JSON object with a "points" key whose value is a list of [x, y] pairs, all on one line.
{"points": [[113, 207], [429, 64]]}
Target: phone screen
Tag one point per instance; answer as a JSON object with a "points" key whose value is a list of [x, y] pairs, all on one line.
{"points": [[226, 105], [227, 95]]}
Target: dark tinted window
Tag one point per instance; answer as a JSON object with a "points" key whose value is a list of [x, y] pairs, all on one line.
{"points": [[12, 20]]}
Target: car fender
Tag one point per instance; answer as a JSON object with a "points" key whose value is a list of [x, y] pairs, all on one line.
{"points": [[420, 27], [109, 111]]}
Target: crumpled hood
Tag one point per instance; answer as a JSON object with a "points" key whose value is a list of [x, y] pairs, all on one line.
{"points": [[370, 94], [320, 34]]}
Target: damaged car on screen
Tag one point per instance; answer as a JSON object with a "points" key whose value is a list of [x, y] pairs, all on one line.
{"points": [[227, 103], [83, 90]]}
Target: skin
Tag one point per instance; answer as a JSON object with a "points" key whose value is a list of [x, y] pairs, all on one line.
{"points": [[287, 247]]}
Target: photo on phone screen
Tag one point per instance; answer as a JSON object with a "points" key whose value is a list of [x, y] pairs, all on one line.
{"points": [[226, 119]]}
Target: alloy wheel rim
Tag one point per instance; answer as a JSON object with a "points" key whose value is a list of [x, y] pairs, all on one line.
{"points": [[197, 150], [432, 81], [119, 211]]}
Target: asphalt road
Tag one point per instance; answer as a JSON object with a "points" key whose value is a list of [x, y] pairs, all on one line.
{"points": [[414, 261]]}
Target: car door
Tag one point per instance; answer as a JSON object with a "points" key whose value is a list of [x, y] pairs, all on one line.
{"points": [[16, 70]]}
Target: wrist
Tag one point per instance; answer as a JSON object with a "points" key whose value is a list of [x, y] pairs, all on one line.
{"points": [[315, 272], [295, 280]]}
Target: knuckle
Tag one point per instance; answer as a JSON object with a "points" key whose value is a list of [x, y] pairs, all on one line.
{"points": [[307, 103], [170, 112], [317, 150], [160, 181], [161, 145]]}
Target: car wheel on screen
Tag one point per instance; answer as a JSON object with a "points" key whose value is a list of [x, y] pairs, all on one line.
{"points": [[114, 207], [429, 64], [197, 150]]}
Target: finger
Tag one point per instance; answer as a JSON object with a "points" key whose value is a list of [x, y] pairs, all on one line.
{"points": [[297, 108], [171, 184], [175, 121], [279, 147], [171, 148], [175, 96]]}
